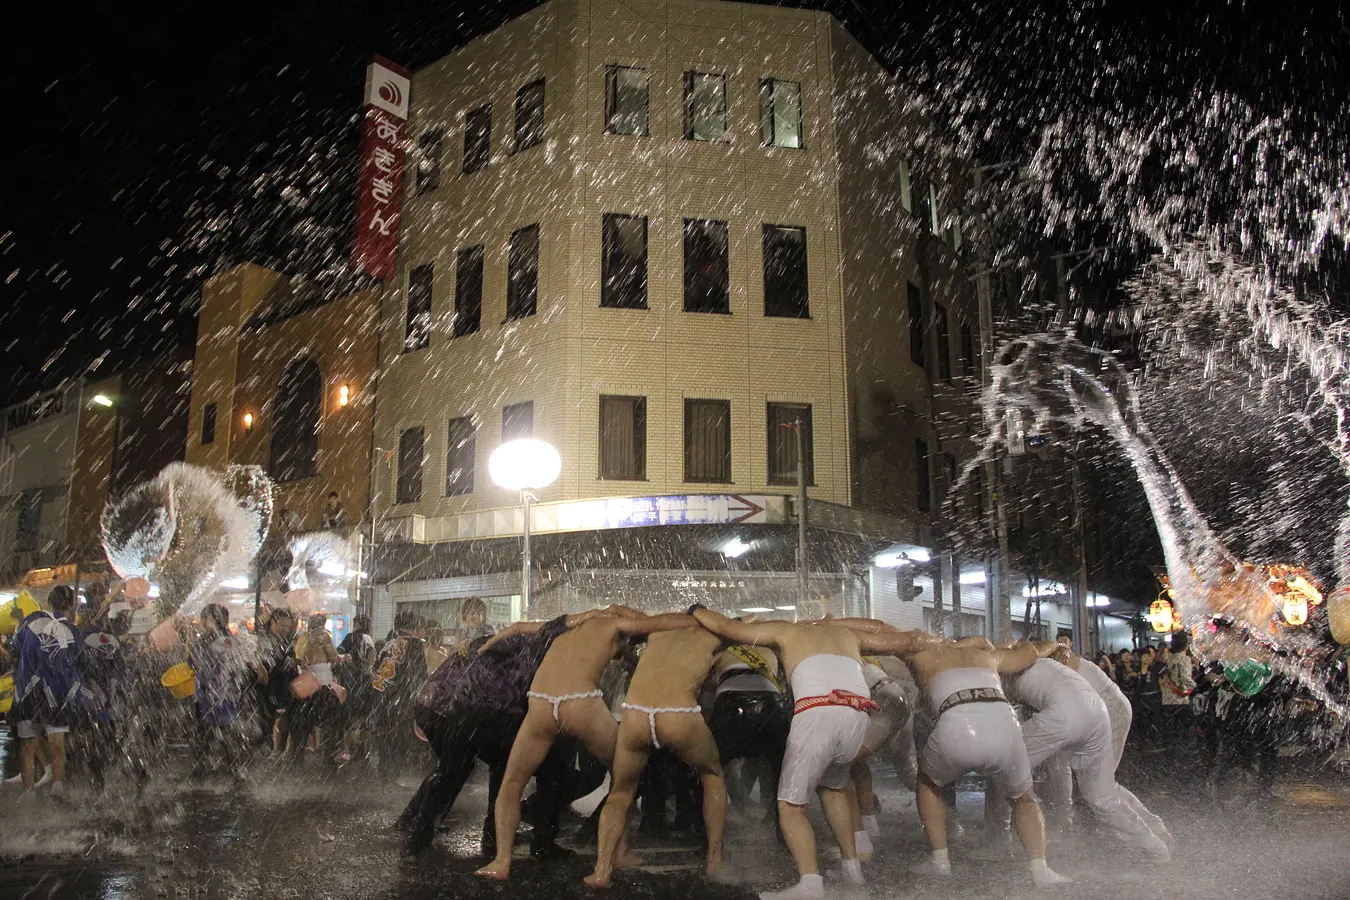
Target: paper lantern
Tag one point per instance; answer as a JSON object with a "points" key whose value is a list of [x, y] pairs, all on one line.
{"points": [[1295, 608], [1160, 613]]}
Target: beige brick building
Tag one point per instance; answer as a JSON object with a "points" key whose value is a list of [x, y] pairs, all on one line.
{"points": [[729, 132]]}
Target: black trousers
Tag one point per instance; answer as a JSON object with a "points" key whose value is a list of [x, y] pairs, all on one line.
{"points": [[753, 725]]}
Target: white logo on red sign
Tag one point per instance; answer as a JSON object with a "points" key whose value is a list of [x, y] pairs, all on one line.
{"points": [[387, 90]]}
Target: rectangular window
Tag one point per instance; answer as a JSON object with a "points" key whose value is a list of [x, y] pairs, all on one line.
{"points": [[782, 444], [623, 438], [530, 115], [944, 342], [949, 468], [954, 236], [625, 100], [707, 268], [522, 273], [477, 138], [967, 350], [934, 211], [977, 491], [916, 325], [460, 445], [785, 284], [780, 113], [410, 447], [468, 290], [209, 423], [922, 485], [27, 535], [705, 107], [906, 189], [707, 441], [429, 160], [623, 279], [417, 328], [518, 421]]}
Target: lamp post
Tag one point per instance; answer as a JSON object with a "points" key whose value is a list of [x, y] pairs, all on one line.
{"points": [[525, 465]]}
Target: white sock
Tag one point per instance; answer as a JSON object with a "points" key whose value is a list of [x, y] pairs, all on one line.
{"points": [[1042, 874], [810, 887], [871, 825], [940, 856], [863, 841], [853, 871]]}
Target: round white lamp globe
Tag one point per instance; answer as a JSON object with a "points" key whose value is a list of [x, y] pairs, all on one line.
{"points": [[526, 464]]}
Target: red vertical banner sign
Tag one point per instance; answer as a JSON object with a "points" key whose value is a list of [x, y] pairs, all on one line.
{"points": [[379, 191]]}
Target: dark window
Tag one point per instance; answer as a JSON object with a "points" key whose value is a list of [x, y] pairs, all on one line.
{"points": [[625, 100], [530, 115], [949, 462], [707, 286], [410, 448], [915, 325], [967, 350], [785, 285], [906, 189], [705, 107], [429, 160], [30, 520], [477, 138], [623, 438], [522, 273], [922, 207], [459, 457], [934, 210], [780, 113], [707, 440], [782, 444], [624, 276], [977, 491], [209, 423], [922, 485], [417, 330], [295, 422], [518, 421], [944, 339], [468, 290]]}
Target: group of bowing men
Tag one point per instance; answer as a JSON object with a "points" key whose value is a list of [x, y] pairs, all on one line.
{"points": [[525, 700]]}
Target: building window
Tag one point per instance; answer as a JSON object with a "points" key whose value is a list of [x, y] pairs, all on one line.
{"points": [[468, 290], [934, 211], [785, 285], [429, 160], [417, 329], [295, 422], [522, 273], [477, 138], [906, 189], [623, 438], [782, 421], [780, 113], [530, 115], [954, 236], [705, 107], [707, 441], [922, 484], [967, 350], [410, 448], [707, 280], [460, 446], [977, 491], [624, 262], [209, 423], [30, 521], [944, 342], [625, 100], [518, 421], [915, 324], [950, 470]]}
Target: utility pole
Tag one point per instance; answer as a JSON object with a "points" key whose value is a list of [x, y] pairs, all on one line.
{"points": [[1082, 625], [801, 514]]}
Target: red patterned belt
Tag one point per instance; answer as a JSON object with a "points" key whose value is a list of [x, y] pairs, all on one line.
{"points": [[836, 698]]}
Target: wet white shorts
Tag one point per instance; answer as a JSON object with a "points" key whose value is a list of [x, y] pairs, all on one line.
{"points": [[983, 738], [30, 729], [821, 746]]}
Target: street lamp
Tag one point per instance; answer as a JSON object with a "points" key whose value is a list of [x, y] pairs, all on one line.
{"points": [[525, 465]]}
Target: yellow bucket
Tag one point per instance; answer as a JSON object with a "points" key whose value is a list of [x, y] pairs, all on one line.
{"points": [[180, 680], [6, 693], [15, 611]]}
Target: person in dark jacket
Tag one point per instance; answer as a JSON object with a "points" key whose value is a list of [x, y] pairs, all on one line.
{"points": [[214, 658], [355, 673], [277, 668], [47, 685]]}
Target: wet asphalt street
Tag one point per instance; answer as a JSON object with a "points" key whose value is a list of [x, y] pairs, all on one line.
{"points": [[300, 834]]}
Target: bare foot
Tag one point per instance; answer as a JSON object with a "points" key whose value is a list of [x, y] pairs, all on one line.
{"points": [[497, 870], [596, 880], [627, 860]]}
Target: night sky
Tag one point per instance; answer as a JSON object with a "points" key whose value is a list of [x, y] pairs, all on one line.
{"points": [[149, 150]]}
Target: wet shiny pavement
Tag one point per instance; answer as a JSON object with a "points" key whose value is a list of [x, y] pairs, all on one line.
{"points": [[303, 834]]}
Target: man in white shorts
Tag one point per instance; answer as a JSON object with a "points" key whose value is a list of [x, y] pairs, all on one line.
{"points": [[1071, 717], [47, 686]]}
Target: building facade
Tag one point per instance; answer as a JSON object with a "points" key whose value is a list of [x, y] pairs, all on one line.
{"points": [[659, 235]]}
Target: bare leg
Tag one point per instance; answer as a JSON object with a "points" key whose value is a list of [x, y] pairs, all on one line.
{"points": [[28, 748], [839, 813], [532, 744], [630, 758], [1030, 824], [57, 746], [691, 740], [932, 811]]}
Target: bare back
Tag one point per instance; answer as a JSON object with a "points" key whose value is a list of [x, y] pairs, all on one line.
{"points": [[798, 641], [673, 667], [577, 658], [927, 663]]}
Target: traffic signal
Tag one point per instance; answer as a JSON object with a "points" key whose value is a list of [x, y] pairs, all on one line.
{"points": [[905, 587]]}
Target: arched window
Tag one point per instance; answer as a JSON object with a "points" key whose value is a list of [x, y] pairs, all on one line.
{"points": [[295, 422]]}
